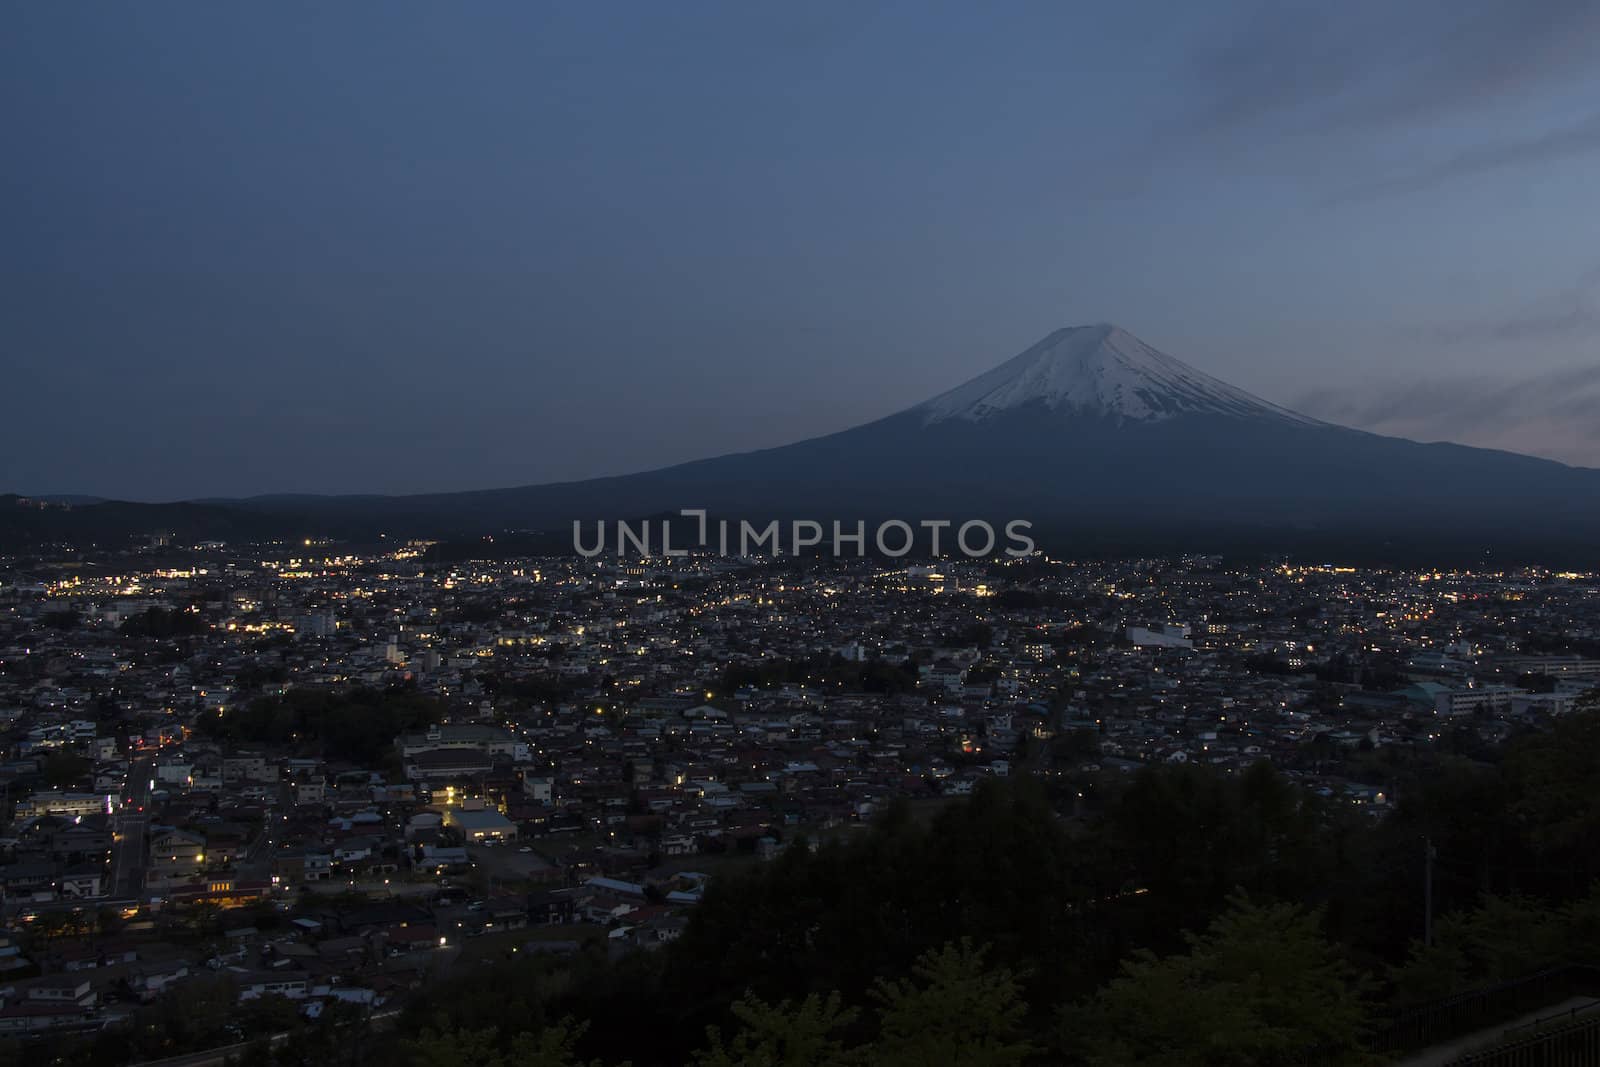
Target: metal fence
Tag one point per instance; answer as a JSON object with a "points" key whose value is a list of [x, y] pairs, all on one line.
{"points": [[1440, 1021], [1571, 1044]]}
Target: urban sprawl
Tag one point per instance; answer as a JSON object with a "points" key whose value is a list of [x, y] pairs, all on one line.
{"points": [[332, 776]]}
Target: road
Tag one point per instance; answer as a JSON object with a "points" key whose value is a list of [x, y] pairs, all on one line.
{"points": [[128, 853]]}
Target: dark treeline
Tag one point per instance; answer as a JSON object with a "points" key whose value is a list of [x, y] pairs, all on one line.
{"points": [[1182, 915], [162, 623], [357, 724]]}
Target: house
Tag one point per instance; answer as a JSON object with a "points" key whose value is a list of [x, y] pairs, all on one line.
{"points": [[447, 764], [27, 877], [253, 985], [175, 771], [76, 844], [248, 767], [469, 737], [225, 841], [55, 802], [292, 868], [65, 989], [1482, 698], [150, 982], [30, 1016], [551, 907], [176, 856], [679, 845], [484, 825], [664, 930], [356, 849], [311, 789], [81, 882], [616, 887], [440, 859], [402, 938]]}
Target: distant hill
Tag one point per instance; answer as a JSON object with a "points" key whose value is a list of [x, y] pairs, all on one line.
{"points": [[35, 521]]}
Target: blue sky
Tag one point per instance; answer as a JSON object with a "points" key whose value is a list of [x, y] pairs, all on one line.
{"points": [[401, 247]]}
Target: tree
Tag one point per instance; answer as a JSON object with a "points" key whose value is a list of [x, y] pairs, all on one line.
{"points": [[340, 1035], [1077, 745], [1500, 939], [267, 1015], [551, 1047], [358, 724], [63, 770], [454, 1048], [785, 1034], [1260, 988], [1554, 777], [197, 1019], [954, 1009]]}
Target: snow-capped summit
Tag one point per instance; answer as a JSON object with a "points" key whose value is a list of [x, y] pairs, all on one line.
{"points": [[1099, 370]]}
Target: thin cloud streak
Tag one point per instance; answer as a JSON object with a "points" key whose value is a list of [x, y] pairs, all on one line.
{"points": [[1319, 67], [1344, 94], [1579, 139], [1566, 316], [1551, 415]]}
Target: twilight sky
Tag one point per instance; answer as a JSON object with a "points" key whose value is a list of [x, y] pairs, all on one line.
{"points": [[398, 247]]}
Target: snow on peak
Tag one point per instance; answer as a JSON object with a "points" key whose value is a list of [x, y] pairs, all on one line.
{"points": [[1099, 370]]}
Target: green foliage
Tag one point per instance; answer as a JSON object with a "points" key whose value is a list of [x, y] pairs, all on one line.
{"points": [[1188, 836], [954, 1009], [198, 1019], [1000, 868], [267, 1015], [161, 623], [64, 769], [454, 1048], [974, 635], [1019, 600], [1260, 987], [1555, 775], [1500, 939], [785, 1034], [550, 1046], [340, 1037], [356, 724], [1076, 745]]}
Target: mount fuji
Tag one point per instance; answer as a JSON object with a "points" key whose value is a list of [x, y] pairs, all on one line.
{"points": [[1099, 370], [1101, 441]]}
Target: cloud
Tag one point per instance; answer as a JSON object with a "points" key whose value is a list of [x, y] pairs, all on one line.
{"points": [[1568, 315], [1318, 67], [1551, 415], [1578, 139], [1337, 93]]}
